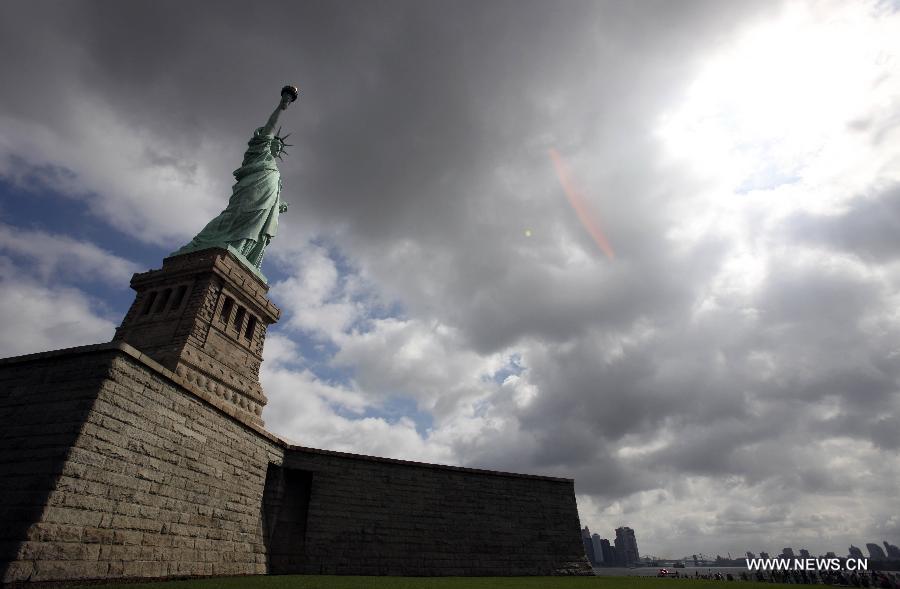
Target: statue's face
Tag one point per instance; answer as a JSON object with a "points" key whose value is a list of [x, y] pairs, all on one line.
{"points": [[276, 147]]}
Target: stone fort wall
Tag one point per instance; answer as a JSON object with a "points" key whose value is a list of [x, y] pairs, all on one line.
{"points": [[112, 466]]}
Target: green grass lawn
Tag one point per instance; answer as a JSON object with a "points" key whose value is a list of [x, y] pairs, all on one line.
{"points": [[335, 582]]}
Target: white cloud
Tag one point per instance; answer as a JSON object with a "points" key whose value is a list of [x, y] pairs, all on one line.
{"points": [[798, 110], [41, 310], [151, 187], [37, 318], [390, 358], [53, 256], [425, 362], [309, 412], [316, 300]]}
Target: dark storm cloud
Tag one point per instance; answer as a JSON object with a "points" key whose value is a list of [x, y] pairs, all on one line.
{"points": [[870, 228], [402, 103], [698, 387], [883, 429]]}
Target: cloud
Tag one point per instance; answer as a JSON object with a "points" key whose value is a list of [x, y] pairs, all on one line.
{"points": [[36, 318], [314, 413], [122, 174], [53, 256], [869, 228], [48, 283]]}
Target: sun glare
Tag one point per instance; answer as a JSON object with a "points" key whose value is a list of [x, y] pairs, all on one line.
{"points": [[577, 199], [795, 114], [784, 104]]}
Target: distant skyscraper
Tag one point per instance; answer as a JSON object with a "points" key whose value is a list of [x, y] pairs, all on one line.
{"points": [[608, 552], [804, 553], [588, 545], [876, 552], [598, 549], [893, 551], [787, 552], [830, 554], [750, 554], [855, 552], [626, 546], [764, 555]]}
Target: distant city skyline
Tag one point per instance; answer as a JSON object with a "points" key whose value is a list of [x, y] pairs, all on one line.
{"points": [[600, 551]]}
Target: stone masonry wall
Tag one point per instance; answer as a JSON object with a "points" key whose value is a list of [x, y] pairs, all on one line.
{"points": [[112, 466], [43, 406], [375, 516], [113, 469]]}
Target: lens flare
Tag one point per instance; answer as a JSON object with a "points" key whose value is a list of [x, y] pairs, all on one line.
{"points": [[576, 198]]}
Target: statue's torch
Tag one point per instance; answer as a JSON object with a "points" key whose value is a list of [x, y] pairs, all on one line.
{"points": [[289, 94]]}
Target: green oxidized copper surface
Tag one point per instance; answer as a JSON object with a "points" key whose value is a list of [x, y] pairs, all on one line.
{"points": [[250, 221]]}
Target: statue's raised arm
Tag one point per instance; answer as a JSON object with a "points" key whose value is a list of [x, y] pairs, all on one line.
{"points": [[250, 220], [288, 95]]}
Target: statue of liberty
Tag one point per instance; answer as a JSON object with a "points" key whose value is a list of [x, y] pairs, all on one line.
{"points": [[250, 220]]}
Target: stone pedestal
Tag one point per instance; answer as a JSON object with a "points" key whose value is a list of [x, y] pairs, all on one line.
{"points": [[204, 316]]}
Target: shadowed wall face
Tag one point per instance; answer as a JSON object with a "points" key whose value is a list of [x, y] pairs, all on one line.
{"points": [[285, 512], [43, 407], [372, 516]]}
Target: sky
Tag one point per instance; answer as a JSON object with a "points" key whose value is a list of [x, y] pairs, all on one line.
{"points": [[652, 246]]}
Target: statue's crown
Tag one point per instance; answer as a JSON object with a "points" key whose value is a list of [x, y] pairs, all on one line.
{"points": [[281, 143]]}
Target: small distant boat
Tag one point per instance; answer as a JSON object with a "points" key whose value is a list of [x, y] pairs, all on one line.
{"points": [[678, 565]]}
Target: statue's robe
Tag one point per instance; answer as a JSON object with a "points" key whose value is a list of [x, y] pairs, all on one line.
{"points": [[252, 211]]}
